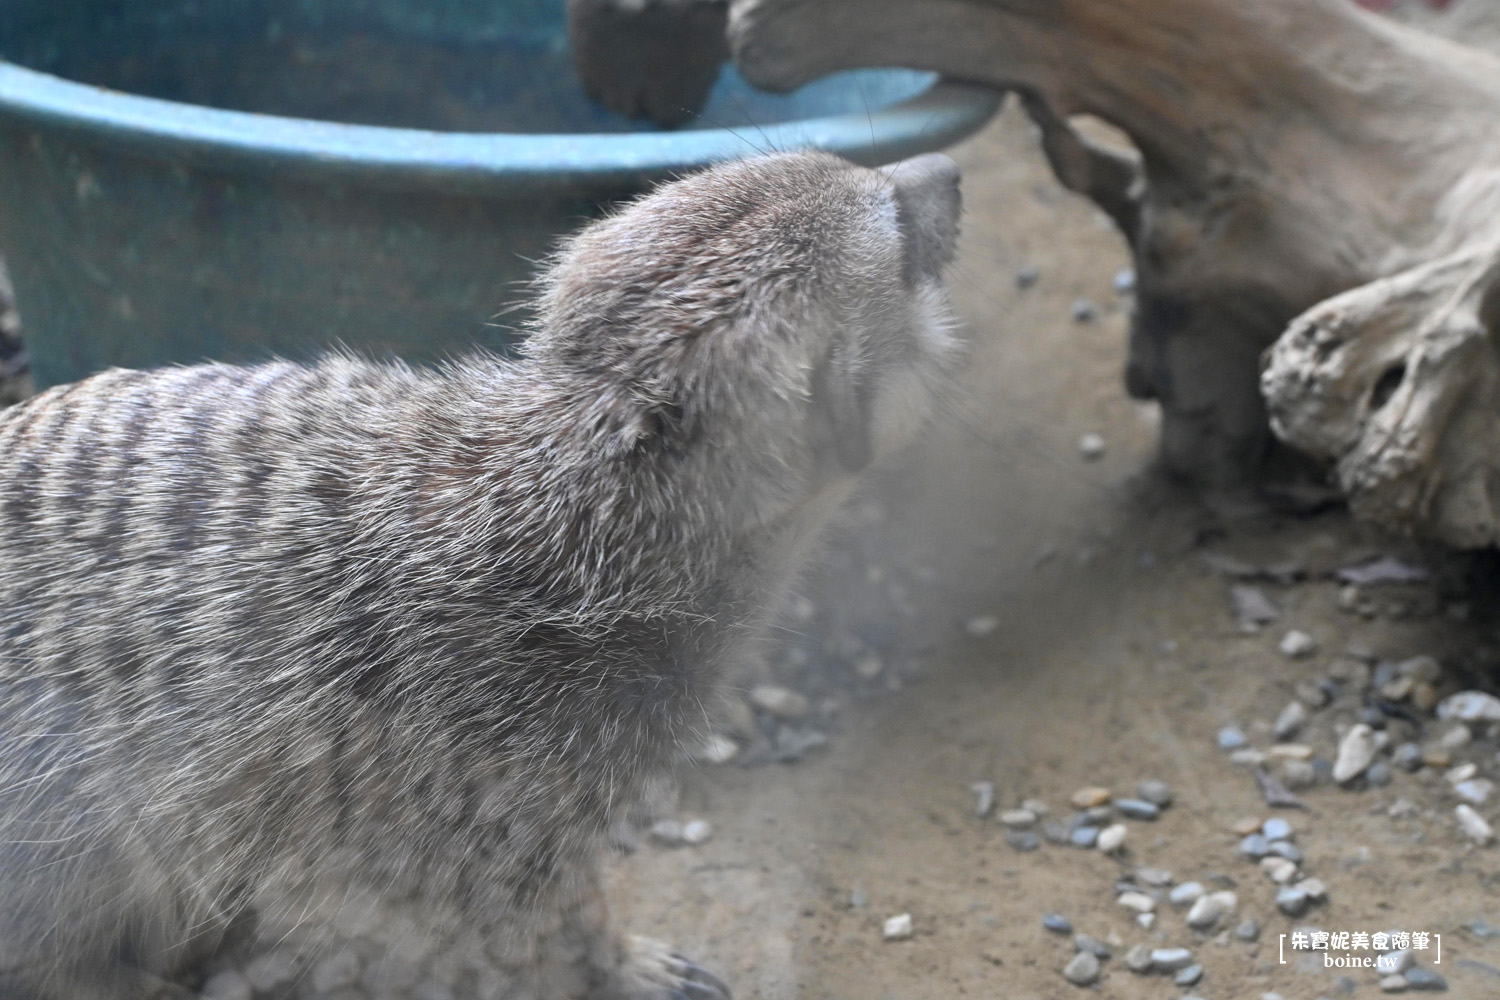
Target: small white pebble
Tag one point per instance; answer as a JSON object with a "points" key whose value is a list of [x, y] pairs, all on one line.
{"points": [[781, 702], [1297, 644], [1280, 870], [1018, 819], [697, 831], [897, 928], [1462, 772], [717, 749], [1092, 446], [1111, 838], [667, 832], [981, 626], [1473, 825], [1137, 901]]}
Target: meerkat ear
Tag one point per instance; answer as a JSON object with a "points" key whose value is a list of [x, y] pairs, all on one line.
{"points": [[841, 410]]}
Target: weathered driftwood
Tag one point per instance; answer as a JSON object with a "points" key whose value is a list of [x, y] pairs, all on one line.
{"points": [[1289, 150]]}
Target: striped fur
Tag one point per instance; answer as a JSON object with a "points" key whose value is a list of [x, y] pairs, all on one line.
{"points": [[353, 629]]}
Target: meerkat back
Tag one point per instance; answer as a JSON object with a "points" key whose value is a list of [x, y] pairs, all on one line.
{"points": [[342, 669]]}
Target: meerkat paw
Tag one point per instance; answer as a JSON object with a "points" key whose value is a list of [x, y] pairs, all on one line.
{"points": [[653, 971]]}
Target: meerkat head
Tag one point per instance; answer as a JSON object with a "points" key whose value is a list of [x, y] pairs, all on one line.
{"points": [[783, 318]]}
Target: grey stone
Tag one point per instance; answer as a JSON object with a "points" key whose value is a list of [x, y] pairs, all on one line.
{"points": [[1092, 945], [1057, 923], [1138, 959], [1171, 959], [1425, 979], [1231, 738], [1186, 894], [1255, 846], [1290, 721], [1248, 929], [1470, 706], [1084, 836], [1022, 840], [1083, 311], [1298, 774], [1137, 809], [1189, 976], [1356, 751], [1378, 774], [1082, 969], [1285, 849], [1158, 793], [1277, 828], [1292, 901]]}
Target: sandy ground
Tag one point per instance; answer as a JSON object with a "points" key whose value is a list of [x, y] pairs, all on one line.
{"points": [[1114, 657]]}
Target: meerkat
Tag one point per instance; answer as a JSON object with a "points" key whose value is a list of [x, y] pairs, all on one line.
{"points": [[300, 650]]}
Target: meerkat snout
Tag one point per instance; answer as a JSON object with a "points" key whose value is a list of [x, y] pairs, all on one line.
{"points": [[928, 205]]}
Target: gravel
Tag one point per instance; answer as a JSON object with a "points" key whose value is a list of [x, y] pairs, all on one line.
{"points": [[1137, 901], [1137, 809], [1082, 969], [1255, 846], [1297, 645], [984, 798], [1407, 756], [1090, 796], [1057, 923], [1231, 738], [1171, 959], [1277, 828], [1425, 979], [1158, 793], [1356, 751], [1084, 836], [784, 703], [1092, 945], [1022, 840], [1251, 607], [1292, 901], [897, 928], [1018, 819], [1186, 894], [1248, 929], [1475, 790], [1111, 838], [1470, 706], [1189, 976], [1092, 446], [1209, 909], [1280, 870], [1083, 311], [1285, 849], [1290, 721], [1138, 959], [1473, 825], [697, 831]]}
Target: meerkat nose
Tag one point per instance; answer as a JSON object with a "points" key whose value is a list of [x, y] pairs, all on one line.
{"points": [[928, 205]]}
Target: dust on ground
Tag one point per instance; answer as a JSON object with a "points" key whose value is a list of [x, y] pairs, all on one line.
{"points": [[1113, 657]]}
